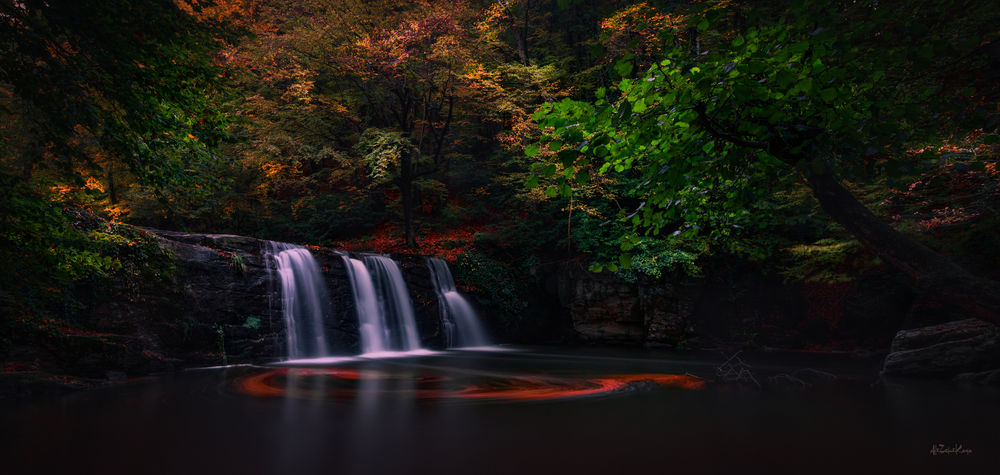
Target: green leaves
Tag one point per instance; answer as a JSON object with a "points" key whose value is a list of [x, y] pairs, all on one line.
{"points": [[135, 79], [624, 68], [386, 153], [639, 106], [531, 150], [707, 142], [568, 157], [828, 95], [684, 126]]}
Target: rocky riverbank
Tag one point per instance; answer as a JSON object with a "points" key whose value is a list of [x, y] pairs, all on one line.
{"points": [[222, 305]]}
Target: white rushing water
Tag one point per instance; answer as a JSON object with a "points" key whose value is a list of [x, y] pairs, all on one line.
{"points": [[371, 322], [398, 330], [462, 326], [304, 300]]}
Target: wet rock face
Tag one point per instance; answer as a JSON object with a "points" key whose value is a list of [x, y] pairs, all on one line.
{"points": [[945, 350], [223, 305], [604, 308], [426, 307], [668, 310]]}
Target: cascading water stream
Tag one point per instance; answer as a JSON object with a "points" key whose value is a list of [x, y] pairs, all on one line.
{"points": [[394, 309], [304, 301], [462, 326], [371, 322]]}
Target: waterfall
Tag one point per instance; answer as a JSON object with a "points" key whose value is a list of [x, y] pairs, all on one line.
{"points": [[304, 301], [395, 311], [462, 327], [371, 322], [386, 320]]}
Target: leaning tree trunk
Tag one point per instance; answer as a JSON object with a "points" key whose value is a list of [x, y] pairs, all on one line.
{"points": [[933, 272]]}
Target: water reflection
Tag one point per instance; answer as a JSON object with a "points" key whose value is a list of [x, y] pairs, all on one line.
{"points": [[369, 385], [500, 412]]}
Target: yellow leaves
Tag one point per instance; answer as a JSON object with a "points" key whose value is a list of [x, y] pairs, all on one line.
{"points": [[301, 91], [94, 184], [341, 110], [271, 169], [636, 29], [496, 19], [117, 212], [62, 190]]}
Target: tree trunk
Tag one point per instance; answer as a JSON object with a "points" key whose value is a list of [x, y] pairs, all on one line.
{"points": [[112, 190], [933, 272], [522, 49], [522, 36], [406, 198]]}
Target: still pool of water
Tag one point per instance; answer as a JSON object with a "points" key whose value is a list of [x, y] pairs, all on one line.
{"points": [[529, 410]]}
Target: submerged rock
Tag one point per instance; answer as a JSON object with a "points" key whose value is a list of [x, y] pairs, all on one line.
{"points": [[944, 350], [983, 378]]}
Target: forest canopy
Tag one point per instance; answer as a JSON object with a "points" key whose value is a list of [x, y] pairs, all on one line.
{"points": [[824, 140]]}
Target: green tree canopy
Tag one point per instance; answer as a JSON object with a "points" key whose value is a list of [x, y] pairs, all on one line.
{"points": [[130, 80], [710, 133]]}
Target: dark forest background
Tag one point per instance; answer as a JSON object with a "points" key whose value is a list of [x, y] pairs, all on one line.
{"points": [[647, 139]]}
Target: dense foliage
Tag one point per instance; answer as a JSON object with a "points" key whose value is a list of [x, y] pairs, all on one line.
{"points": [[709, 137], [644, 138]]}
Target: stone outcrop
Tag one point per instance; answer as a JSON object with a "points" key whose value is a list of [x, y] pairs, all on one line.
{"points": [[982, 378], [604, 308], [424, 298], [223, 305], [945, 350]]}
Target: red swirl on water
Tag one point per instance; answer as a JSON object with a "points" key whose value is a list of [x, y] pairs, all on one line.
{"points": [[275, 383], [530, 389]]}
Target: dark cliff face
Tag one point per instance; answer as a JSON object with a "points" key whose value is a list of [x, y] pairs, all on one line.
{"points": [[732, 306], [224, 306], [607, 309], [424, 297]]}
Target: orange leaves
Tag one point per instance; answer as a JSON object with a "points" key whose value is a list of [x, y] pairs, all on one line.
{"points": [[94, 184], [271, 169], [635, 30], [430, 41]]}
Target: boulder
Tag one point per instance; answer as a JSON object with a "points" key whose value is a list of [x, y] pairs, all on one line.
{"points": [[605, 308], [944, 350], [982, 378]]}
